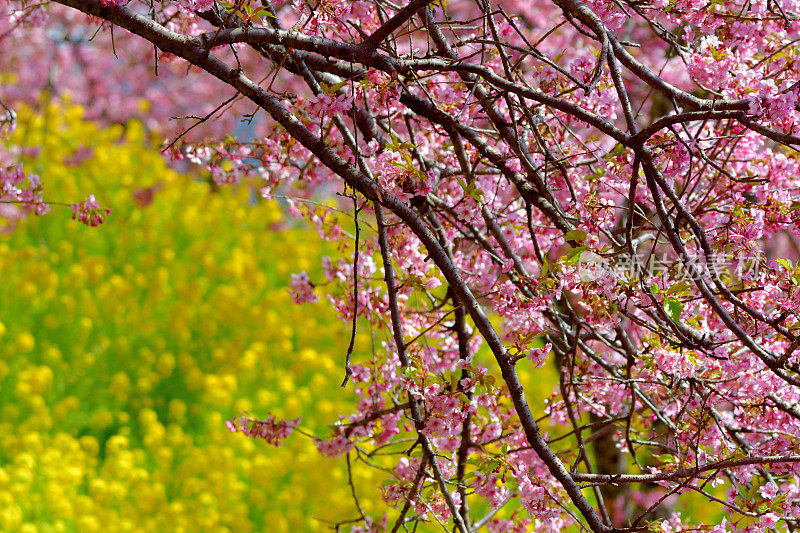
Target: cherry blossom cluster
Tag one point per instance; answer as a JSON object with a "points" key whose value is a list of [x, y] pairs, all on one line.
{"points": [[20, 192], [302, 290], [270, 429], [89, 212]]}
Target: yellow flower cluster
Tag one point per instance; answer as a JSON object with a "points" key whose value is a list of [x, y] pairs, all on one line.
{"points": [[124, 348]]}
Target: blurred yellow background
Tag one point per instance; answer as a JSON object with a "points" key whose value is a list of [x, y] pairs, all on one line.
{"points": [[124, 348]]}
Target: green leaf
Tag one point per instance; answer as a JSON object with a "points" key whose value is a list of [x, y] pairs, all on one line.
{"points": [[673, 308], [665, 458], [336, 86], [488, 466], [407, 157], [617, 151], [655, 289], [744, 521], [678, 288], [545, 268], [575, 235], [475, 193], [572, 256]]}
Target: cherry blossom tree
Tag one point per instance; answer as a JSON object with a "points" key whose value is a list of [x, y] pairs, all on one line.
{"points": [[608, 188]]}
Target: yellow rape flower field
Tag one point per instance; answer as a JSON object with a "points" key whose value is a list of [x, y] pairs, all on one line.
{"points": [[124, 348]]}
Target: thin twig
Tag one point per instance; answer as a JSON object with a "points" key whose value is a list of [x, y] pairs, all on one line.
{"points": [[348, 370]]}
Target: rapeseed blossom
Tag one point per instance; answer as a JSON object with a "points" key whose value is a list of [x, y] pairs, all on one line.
{"points": [[124, 348]]}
